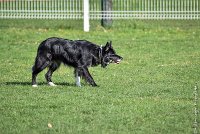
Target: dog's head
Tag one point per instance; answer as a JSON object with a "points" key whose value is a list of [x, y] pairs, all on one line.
{"points": [[109, 55]]}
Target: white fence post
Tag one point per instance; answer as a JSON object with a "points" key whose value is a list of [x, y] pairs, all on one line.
{"points": [[86, 16]]}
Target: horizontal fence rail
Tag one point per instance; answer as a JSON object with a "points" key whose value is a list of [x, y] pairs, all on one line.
{"points": [[41, 9], [121, 9], [147, 9]]}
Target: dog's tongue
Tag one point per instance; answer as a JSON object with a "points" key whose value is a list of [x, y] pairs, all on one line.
{"points": [[117, 62]]}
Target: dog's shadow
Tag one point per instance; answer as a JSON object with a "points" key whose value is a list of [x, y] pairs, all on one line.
{"points": [[40, 83]]}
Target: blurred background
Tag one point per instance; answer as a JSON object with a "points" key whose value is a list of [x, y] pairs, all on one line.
{"points": [[106, 13]]}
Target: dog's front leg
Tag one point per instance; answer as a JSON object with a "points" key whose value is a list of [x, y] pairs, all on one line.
{"points": [[88, 77], [77, 77]]}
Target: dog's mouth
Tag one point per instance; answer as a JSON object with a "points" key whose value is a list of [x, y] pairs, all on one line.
{"points": [[115, 61], [111, 59]]}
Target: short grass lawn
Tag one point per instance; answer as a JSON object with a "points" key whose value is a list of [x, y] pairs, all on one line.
{"points": [[150, 92]]}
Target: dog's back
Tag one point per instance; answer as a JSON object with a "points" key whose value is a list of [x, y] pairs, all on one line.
{"points": [[56, 45], [52, 45]]}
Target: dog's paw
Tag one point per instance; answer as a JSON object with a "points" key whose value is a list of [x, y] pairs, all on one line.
{"points": [[34, 85], [51, 84], [94, 85], [78, 84]]}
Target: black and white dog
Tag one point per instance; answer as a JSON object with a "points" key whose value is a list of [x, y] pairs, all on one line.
{"points": [[79, 54]]}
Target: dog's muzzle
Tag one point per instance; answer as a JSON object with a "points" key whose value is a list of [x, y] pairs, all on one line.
{"points": [[111, 59]]}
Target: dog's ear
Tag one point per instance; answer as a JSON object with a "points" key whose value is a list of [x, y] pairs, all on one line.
{"points": [[108, 46], [111, 44]]}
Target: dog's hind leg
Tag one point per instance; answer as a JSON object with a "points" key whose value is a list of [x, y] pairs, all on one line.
{"points": [[34, 75], [40, 64], [52, 68]]}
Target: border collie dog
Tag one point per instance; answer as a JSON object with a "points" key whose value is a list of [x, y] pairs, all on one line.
{"points": [[79, 54]]}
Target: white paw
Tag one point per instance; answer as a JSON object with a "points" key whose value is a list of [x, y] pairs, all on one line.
{"points": [[51, 84], [78, 81], [34, 86], [78, 84]]}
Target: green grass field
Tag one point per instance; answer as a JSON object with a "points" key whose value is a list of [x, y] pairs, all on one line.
{"points": [[150, 92]]}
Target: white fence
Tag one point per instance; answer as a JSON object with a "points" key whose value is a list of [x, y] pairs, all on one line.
{"points": [[148, 9], [41, 9], [121, 9]]}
